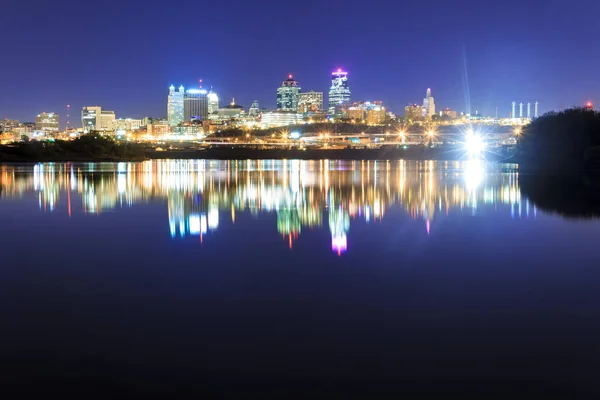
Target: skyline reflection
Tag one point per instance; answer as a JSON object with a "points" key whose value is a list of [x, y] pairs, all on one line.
{"points": [[303, 194]]}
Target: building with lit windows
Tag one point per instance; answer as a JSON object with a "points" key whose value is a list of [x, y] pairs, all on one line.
{"points": [[8, 125], [288, 95], [106, 121], [126, 124], [372, 113], [47, 122], [413, 112], [339, 92], [89, 117], [175, 106], [254, 110], [428, 105], [446, 112], [94, 118], [213, 102], [195, 104], [310, 102], [280, 118]]}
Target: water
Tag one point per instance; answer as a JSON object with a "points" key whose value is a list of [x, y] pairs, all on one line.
{"points": [[320, 276]]}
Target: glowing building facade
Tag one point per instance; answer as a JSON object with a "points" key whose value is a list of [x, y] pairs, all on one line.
{"points": [[47, 122], [339, 92], [213, 102], [428, 105], [175, 106], [288, 95], [195, 104], [310, 102]]}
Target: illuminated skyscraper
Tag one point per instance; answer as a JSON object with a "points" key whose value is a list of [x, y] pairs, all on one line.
{"points": [[89, 117], [428, 105], [195, 104], [213, 102], [339, 93], [254, 110], [47, 122], [175, 106], [288, 94]]}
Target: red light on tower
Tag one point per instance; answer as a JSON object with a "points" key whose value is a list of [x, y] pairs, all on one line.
{"points": [[589, 105], [290, 76]]}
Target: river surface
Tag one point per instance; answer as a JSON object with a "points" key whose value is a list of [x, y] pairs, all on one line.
{"points": [[325, 276]]}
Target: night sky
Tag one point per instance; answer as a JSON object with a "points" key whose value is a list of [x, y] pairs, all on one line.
{"points": [[123, 55]]}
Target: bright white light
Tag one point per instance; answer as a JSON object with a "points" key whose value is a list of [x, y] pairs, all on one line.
{"points": [[295, 135], [474, 144]]}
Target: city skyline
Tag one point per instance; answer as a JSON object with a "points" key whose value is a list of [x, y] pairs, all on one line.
{"points": [[534, 61]]}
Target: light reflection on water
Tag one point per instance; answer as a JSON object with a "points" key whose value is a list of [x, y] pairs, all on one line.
{"points": [[303, 194]]}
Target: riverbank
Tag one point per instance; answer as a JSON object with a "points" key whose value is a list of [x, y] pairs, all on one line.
{"points": [[102, 150]]}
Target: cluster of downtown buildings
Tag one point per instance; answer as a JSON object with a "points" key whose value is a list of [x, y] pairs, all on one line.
{"points": [[196, 111]]}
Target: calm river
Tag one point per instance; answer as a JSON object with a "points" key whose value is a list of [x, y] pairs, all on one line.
{"points": [[322, 276]]}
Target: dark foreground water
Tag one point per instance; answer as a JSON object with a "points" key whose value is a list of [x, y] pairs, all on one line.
{"points": [[294, 277]]}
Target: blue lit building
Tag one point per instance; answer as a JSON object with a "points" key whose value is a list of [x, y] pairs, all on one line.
{"points": [[175, 106], [339, 93]]}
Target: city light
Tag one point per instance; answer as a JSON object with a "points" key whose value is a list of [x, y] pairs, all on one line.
{"points": [[474, 144]]}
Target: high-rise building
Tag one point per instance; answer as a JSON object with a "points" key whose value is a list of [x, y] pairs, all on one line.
{"points": [[280, 118], [213, 102], [106, 121], [175, 105], [94, 118], [310, 102], [89, 118], [254, 110], [288, 95], [413, 112], [339, 93], [428, 105], [47, 122], [195, 104]]}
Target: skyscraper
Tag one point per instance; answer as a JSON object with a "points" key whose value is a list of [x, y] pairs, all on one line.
{"points": [[310, 102], [339, 93], [195, 104], [213, 102], [175, 106], [94, 118], [254, 110], [47, 122], [288, 94], [428, 105]]}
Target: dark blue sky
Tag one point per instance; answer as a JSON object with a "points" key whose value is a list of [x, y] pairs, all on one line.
{"points": [[124, 54]]}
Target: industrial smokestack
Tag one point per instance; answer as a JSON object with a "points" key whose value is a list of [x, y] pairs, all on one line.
{"points": [[536, 113], [521, 110], [512, 115], [528, 110]]}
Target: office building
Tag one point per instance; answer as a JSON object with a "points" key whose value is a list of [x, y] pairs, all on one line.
{"points": [[310, 102], [371, 113], [106, 121], [126, 124], [175, 106], [213, 102], [8, 125], [195, 104], [47, 122], [413, 112], [446, 112], [339, 93], [254, 110], [94, 118], [288, 95], [280, 118], [428, 105]]}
